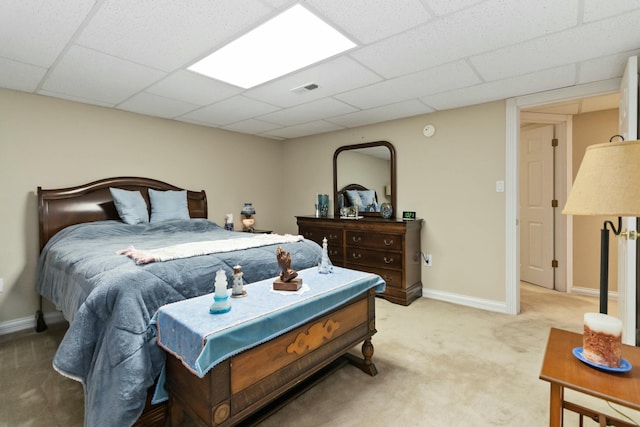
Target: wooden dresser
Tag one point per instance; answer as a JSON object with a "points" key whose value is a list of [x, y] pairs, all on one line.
{"points": [[389, 248]]}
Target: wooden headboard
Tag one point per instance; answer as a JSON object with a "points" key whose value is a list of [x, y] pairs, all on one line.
{"points": [[62, 207]]}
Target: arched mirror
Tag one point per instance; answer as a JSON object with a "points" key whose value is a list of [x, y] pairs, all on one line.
{"points": [[366, 171]]}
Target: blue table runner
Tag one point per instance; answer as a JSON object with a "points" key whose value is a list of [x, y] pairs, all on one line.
{"points": [[201, 340]]}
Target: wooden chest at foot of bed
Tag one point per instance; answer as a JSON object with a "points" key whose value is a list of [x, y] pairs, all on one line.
{"points": [[244, 384]]}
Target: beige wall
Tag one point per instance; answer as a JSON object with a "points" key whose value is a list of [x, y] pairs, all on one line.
{"points": [[589, 129], [449, 180], [54, 143]]}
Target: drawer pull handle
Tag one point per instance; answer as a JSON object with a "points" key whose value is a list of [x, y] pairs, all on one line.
{"points": [[389, 243], [388, 279], [356, 239], [333, 252], [334, 237], [388, 261], [356, 256]]}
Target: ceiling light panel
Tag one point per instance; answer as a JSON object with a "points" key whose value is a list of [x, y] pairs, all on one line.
{"points": [[290, 41]]}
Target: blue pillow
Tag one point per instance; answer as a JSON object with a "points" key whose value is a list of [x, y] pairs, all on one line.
{"points": [[166, 205], [353, 195], [130, 206], [367, 197]]}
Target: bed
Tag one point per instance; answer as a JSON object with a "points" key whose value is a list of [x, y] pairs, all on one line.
{"points": [[109, 300]]}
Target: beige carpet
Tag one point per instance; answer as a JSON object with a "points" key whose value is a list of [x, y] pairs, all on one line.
{"points": [[439, 364]]}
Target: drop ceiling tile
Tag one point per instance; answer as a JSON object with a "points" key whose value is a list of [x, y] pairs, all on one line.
{"points": [[484, 27], [400, 110], [566, 108], [439, 79], [446, 7], [230, 111], [578, 44], [357, 16], [277, 3], [595, 10], [606, 102], [155, 105], [76, 98], [35, 32], [493, 91], [337, 75], [193, 88], [251, 126], [315, 110], [604, 68], [20, 76], [305, 129], [165, 34], [88, 74]]}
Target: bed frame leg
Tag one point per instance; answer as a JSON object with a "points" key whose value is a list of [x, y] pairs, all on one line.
{"points": [[41, 325], [366, 365]]}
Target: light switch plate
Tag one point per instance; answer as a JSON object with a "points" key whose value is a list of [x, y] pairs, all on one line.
{"points": [[499, 186]]}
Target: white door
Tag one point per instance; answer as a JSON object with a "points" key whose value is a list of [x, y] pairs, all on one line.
{"points": [[536, 213], [628, 128]]}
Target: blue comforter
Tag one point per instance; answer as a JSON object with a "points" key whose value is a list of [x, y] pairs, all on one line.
{"points": [[109, 301]]}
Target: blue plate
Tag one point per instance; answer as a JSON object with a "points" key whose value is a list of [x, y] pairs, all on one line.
{"points": [[624, 365]]}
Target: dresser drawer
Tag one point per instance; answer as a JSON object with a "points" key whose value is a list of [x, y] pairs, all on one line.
{"points": [[368, 239], [333, 235], [385, 259], [393, 278]]}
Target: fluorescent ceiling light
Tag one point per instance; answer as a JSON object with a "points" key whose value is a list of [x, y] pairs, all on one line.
{"points": [[290, 41]]}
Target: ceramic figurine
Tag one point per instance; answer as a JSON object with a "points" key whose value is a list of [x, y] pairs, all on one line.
{"points": [[221, 303], [238, 287], [325, 263], [288, 279], [228, 223]]}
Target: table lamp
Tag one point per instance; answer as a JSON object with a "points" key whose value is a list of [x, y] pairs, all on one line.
{"points": [[607, 184], [247, 222]]}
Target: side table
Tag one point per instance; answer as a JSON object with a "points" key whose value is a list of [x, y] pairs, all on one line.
{"points": [[563, 370]]}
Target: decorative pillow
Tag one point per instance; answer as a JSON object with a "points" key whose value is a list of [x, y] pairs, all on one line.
{"points": [[367, 197], [130, 206], [166, 205], [352, 196]]}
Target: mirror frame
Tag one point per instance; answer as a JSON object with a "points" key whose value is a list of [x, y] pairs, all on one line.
{"points": [[392, 178]]}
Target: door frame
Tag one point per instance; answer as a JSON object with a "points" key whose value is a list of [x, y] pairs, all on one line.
{"points": [[512, 190]]}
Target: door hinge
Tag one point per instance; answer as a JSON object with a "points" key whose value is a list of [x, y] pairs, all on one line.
{"points": [[554, 142], [554, 203], [554, 263]]}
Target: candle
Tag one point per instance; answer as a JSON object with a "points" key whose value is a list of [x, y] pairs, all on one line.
{"points": [[602, 339]]}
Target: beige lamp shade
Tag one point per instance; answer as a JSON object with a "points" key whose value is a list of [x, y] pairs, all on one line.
{"points": [[608, 181]]}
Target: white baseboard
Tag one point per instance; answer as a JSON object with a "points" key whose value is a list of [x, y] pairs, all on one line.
{"points": [[483, 304], [590, 292], [25, 323]]}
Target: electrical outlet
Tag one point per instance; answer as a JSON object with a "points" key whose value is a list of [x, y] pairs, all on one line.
{"points": [[1, 284], [427, 261]]}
